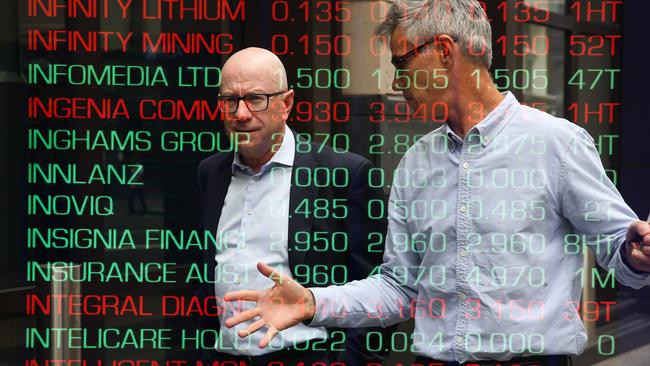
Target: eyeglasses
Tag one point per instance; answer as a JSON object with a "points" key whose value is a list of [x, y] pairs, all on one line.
{"points": [[255, 102], [398, 62]]}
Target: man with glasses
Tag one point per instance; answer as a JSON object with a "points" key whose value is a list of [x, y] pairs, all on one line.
{"points": [[487, 228], [265, 201]]}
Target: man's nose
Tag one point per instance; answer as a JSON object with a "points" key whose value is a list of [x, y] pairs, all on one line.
{"points": [[395, 85], [243, 113], [398, 85]]}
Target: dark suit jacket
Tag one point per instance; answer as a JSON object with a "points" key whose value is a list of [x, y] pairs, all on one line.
{"points": [[361, 257]]}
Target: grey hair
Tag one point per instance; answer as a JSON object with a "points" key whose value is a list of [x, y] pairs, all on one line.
{"points": [[424, 19]]}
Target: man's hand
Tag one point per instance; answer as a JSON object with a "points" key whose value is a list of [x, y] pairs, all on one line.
{"points": [[637, 249], [284, 305]]}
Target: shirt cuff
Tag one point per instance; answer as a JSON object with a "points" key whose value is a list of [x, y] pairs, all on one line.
{"points": [[628, 275], [626, 263], [323, 298]]}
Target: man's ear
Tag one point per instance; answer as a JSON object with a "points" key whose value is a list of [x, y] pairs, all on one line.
{"points": [[287, 104], [445, 44]]}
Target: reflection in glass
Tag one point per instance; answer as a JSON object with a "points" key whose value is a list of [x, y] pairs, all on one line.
{"points": [[554, 6], [544, 62]]}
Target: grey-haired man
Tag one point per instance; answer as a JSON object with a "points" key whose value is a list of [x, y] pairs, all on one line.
{"points": [[480, 244]]}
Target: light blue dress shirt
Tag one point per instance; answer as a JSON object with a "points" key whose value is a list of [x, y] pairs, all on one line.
{"points": [[485, 241], [254, 227]]}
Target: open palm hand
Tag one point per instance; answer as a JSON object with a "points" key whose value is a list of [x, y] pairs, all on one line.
{"points": [[284, 305]]}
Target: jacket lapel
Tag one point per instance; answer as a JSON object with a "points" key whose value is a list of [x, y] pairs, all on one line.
{"points": [[297, 222], [221, 181]]}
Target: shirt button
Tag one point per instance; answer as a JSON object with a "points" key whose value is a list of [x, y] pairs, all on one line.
{"points": [[256, 178], [487, 138], [465, 165], [463, 253], [463, 209], [460, 340], [249, 212], [462, 296]]}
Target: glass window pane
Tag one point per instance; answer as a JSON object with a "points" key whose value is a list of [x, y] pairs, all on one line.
{"points": [[545, 64], [554, 6]]}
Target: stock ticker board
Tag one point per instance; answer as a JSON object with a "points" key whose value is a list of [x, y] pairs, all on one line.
{"points": [[114, 103]]}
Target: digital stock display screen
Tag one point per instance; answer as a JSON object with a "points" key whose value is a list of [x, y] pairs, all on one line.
{"points": [[134, 201]]}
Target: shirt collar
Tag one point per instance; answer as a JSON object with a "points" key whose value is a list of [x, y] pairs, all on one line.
{"points": [[284, 155], [492, 124]]}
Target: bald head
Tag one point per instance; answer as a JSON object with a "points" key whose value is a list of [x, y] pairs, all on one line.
{"points": [[255, 65], [256, 79]]}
